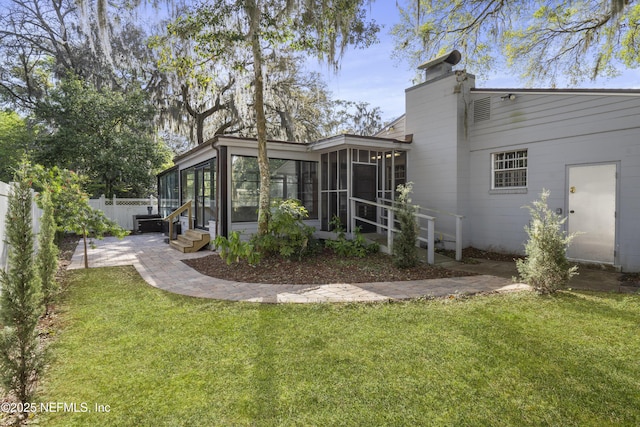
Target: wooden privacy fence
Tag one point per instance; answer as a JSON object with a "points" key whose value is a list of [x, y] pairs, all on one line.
{"points": [[36, 213], [122, 210]]}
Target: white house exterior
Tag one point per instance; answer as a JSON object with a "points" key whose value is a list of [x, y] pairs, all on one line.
{"points": [[483, 154]]}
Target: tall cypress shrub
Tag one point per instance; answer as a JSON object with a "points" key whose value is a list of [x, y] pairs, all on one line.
{"points": [[404, 245], [20, 303], [546, 267], [47, 251]]}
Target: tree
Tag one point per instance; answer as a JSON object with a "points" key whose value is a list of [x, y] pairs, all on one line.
{"points": [[42, 41], [322, 28], [72, 211], [543, 39], [104, 134], [47, 257], [356, 118], [404, 245], [546, 267], [20, 304], [15, 137], [217, 86]]}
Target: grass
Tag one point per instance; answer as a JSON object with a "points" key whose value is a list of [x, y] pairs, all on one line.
{"points": [[159, 359]]}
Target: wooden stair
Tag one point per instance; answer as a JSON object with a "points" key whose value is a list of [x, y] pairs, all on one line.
{"points": [[191, 241]]}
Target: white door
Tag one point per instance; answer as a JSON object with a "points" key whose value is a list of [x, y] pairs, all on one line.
{"points": [[592, 212]]}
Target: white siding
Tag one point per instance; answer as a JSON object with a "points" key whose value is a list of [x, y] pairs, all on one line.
{"points": [[558, 130], [439, 160], [395, 130]]}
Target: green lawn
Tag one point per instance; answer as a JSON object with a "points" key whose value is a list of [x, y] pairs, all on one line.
{"points": [[161, 359]]}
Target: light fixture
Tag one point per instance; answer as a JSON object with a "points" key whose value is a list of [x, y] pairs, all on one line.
{"points": [[509, 96]]}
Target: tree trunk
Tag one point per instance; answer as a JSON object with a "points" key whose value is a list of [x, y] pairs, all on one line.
{"points": [[253, 11], [84, 239]]}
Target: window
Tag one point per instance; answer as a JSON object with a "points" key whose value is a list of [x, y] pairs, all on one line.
{"points": [[290, 179], [169, 199], [509, 169]]}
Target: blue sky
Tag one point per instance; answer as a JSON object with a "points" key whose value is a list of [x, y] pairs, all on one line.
{"points": [[372, 76]]}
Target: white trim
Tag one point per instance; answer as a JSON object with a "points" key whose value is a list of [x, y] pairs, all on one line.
{"points": [[516, 168]]}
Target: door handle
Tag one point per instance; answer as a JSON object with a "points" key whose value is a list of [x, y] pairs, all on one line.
{"points": [[572, 211]]}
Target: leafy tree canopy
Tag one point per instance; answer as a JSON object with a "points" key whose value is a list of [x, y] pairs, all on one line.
{"points": [[14, 141], [356, 118], [541, 39], [104, 134]]}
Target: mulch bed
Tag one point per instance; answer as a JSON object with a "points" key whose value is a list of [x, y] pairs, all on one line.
{"points": [[324, 268], [474, 253]]}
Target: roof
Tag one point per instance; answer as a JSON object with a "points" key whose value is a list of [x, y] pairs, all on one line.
{"points": [[574, 91], [348, 135], [211, 143]]}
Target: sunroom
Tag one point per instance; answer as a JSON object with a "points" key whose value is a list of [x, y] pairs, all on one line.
{"points": [[221, 180]]}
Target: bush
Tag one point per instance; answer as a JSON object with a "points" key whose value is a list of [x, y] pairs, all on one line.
{"points": [[404, 245], [21, 359], [47, 258], [234, 249], [356, 247], [288, 236], [546, 267]]}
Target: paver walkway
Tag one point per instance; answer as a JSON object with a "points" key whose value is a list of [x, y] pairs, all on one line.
{"points": [[162, 267]]}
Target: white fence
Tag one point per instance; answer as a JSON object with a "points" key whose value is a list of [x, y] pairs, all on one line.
{"points": [[36, 213], [122, 210]]}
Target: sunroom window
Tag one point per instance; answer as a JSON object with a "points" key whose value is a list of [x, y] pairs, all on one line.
{"points": [[290, 179]]}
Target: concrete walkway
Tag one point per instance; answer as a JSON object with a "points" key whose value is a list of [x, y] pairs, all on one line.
{"points": [[162, 267]]}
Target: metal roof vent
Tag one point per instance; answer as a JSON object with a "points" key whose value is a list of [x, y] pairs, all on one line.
{"points": [[441, 65]]}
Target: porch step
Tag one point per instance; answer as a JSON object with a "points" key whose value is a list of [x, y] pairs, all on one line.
{"points": [[191, 241]]}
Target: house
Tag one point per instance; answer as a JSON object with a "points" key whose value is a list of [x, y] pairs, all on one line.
{"points": [[481, 154]]}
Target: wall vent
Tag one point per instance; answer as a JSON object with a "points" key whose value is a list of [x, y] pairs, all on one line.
{"points": [[481, 109]]}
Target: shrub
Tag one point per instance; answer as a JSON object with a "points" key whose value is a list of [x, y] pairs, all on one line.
{"points": [[287, 236], [72, 211], [20, 305], [47, 258], [404, 244], [356, 247], [234, 249], [546, 267]]}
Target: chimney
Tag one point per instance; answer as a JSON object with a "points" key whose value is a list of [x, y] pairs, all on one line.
{"points": [[441, 65]]}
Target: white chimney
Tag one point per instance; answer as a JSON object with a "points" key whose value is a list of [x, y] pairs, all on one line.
{"points": [[441, 65]]}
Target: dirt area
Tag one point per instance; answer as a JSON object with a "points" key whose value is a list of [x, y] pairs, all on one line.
{"points": [[320, 269], [471, 254]]}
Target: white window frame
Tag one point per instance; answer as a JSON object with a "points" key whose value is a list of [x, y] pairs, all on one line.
{"points": [[512, 160]]}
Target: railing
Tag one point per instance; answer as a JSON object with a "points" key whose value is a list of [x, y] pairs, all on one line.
{"points": [[387, 206], [458, 235], [172, 216], [442, 214], [390, 226]]}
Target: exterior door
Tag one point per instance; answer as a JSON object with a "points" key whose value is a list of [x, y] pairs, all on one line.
{"points": [[592, 212], [364, 187], [203, 196]]}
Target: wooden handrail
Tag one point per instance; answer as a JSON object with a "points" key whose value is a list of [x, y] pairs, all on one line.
{"points": [[177, 212]]}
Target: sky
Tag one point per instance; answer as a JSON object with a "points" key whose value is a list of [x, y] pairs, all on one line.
{"points": [[370, 75]]}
